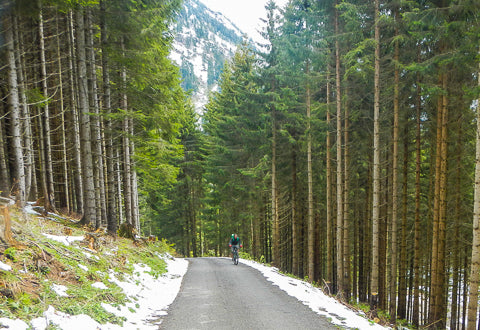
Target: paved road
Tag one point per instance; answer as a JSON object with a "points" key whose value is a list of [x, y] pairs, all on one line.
{"points": [[216, 294]]}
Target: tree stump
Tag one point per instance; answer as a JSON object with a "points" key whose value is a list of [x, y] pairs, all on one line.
{"points": [[91, 240], [6, 237], [127, 230]]}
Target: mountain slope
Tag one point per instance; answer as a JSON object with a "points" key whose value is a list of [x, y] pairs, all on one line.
{"points": [[204, 40]]}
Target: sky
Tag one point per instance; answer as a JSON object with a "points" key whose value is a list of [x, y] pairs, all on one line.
{"points": [[245, 14]]}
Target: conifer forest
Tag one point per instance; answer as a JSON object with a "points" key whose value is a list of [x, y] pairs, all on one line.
{"points": [[346, 150]]}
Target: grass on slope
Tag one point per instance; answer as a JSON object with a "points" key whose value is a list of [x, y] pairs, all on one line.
{"points": [[40, 264]]}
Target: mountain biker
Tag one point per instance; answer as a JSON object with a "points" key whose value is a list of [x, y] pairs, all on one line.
{"points": [[234, 242]]}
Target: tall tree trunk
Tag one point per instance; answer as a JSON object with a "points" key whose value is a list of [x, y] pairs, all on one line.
{"points": [[25, 114], [403, 263], [96, 126], [356, 222], [135, 202], [339, 252], [66, 203], [346, 208], [90, 214], [330, 236], [475, 263], [394, 219], [374, 286], [311, 219], [73, 116], [49, 194], [441, 309], [383, 234], [135, 206], [127, 172], [14, 106], [4, 173], [416, 260], [366, 236], [465, 275], [295, 240], [112, 224], [255, 240], [456, 253], [437, 302], [127, 169], [275, 224], [118, 187], [41, 158], [191, 214]]}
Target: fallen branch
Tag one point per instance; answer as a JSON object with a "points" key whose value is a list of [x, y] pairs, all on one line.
{"points": [[54, 248], [6, 201], [327, 286], [63, 254]]}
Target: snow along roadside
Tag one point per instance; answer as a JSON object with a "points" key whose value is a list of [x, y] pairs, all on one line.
{"points": [[151, 298], [315, 299]]}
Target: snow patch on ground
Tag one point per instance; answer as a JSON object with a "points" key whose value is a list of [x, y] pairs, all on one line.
{"points": [[151, 298], [29, 209], [13, 324], [315, 299], [85, 268], [90, 255], [67, 321], [67, 240], [60, 290], [99, 285], [5, 267], [162, 291]]}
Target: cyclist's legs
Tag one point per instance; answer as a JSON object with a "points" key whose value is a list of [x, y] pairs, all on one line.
{"points": [[234, 247]]}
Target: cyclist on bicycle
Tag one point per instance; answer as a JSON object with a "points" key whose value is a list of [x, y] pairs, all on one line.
{"points": [[234, 243]]}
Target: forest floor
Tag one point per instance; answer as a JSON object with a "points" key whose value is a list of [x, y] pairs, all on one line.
{"points": [[59, 275]]}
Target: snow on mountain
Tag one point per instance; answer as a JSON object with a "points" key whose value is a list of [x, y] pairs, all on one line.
{"points": [[204, 40]]}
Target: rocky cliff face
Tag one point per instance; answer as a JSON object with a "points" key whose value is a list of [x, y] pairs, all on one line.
{"points": [[204, 40]]}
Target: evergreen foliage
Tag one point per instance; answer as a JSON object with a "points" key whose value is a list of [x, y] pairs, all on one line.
{"points": [[109, 93], [435, 97], [350, 137]]}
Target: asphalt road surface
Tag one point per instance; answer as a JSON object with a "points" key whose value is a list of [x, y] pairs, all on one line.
{"points": [[216, 294]]}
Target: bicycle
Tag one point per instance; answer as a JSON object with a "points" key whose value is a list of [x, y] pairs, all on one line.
{"points": [[235, 255]]}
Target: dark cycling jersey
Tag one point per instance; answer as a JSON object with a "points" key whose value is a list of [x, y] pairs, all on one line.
{"points": [[235, 241]]}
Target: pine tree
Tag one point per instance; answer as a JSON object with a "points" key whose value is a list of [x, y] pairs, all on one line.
{"points": [[375, 285], [90, 213], [14, 107]]}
